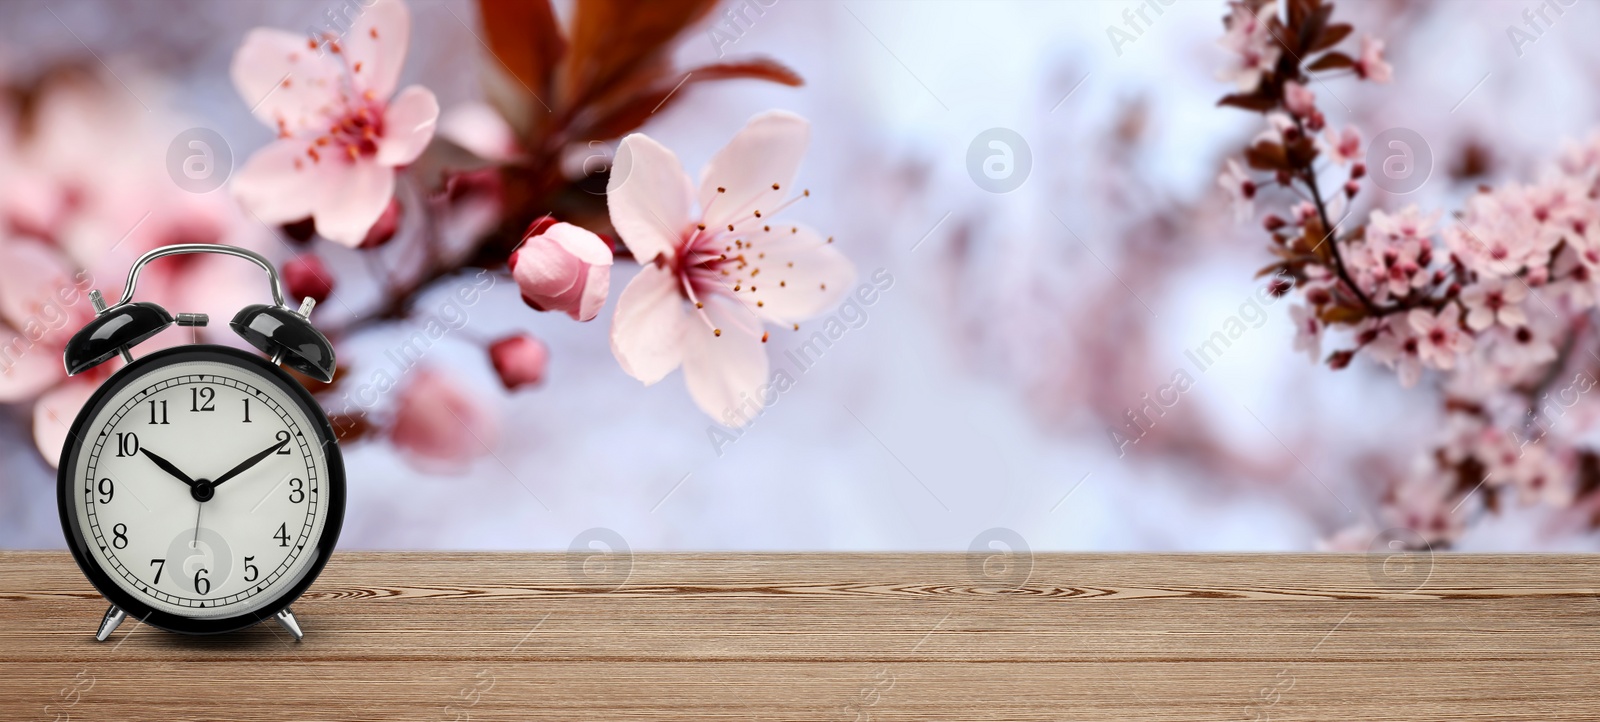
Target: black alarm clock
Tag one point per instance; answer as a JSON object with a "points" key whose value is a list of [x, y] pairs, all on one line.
{"points": [[201, 487]]}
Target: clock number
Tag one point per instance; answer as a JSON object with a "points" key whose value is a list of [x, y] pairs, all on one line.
{"points": [[163, 413], [283, 436], [283, 535], [251, 573], [205, 393], [297, 491], [202, 585], [159, 564], [247, 411], [127, 444], [108, 489], [119, 536]]}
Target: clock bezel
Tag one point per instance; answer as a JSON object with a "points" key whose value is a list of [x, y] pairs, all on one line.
{"points": [[78, 543]]}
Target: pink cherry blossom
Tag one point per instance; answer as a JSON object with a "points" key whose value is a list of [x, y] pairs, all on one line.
{"points": [[561, 267], [1371, 64], [1395, 253], [438, 424], [1299, 99], [1498, 234], [520, 360], [708, 285], [1397, 346], [1250, 40], [1241, 190], [1493, 301], [1439, 337], [1344, 146], [1307, 331], [479, 128], [342, 129]]}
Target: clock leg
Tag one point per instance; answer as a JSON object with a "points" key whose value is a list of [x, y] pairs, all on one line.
{"points": [[286, 618], [114, 617]]}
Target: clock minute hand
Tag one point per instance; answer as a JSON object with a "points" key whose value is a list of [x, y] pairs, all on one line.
{"points": [[247, 463], [168, 467]]}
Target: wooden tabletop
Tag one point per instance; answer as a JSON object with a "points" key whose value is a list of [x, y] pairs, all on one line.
{"points": [[441, 636]]}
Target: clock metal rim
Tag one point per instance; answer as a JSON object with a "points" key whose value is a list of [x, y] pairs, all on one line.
{"points": [[78, 543]]}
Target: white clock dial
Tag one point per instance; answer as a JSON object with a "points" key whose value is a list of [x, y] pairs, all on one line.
{"points": [[255, 532]]}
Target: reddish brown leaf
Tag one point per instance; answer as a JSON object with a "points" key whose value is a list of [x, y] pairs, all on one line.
{"points": [[755, 69], [1331, 36], [615, 39], [1311, 29], [1331, 61], [526, 37], [1266, 155], [1248, 101], [638, 108]]}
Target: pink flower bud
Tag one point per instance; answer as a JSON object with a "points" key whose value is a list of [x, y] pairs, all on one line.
{"points": [[1351, 188], [1272, 222], [1299, 99], [305, 276], [520, 360], [1358, 171], [440, 426], [384, 229], [561, 267], [1340, 359]]}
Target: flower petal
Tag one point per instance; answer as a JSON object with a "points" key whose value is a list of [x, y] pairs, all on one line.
{"points": [[377, 41], [647, 329], [408, 125], [356, 195], [39, 296], [596, 286], [725, 371], [53, 415], [479, 128], [279, 183], [648, 196], [802, 274], [284, 79], [766, 152], [27, 368], [581, 243]]}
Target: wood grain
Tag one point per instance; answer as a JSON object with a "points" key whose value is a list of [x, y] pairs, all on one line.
{"points": [[434, 636]]}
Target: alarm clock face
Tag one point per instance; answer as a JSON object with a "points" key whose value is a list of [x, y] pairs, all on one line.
{"points": [[203, 487]]}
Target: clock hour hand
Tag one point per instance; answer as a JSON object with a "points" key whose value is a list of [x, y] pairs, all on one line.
{"points": [[168, 467], [247, 463]]}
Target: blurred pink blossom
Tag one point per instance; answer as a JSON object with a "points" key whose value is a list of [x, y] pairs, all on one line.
{"points": [[561, 267], [1250, 39], [1371, 64], [438, 425], [520, 360], [707, 287], [340, 134], [305, 276]]}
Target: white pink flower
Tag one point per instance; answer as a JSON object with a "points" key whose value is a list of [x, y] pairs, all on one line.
{"points": [[1439, 336], [1397, 346], [1250, 39], [1343, 146], [1495, 301], [707, 286], [1307, 331], [1299, 99], [1371, 65], [561, 267], [340, 133], [1241, 190]]}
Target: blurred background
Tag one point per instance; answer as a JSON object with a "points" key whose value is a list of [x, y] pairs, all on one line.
{"points": [[988, 388]]}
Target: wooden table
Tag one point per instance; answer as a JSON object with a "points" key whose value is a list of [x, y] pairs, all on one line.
{"points": [[435, 636]]}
